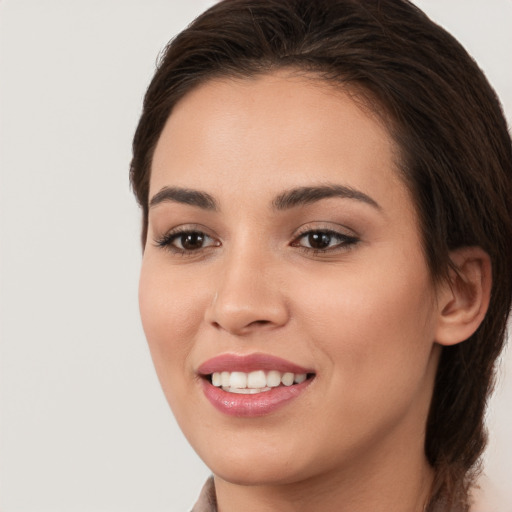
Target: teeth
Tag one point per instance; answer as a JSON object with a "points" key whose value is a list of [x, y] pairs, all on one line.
{"points": [[257, 379], [224, 376], [238, 380], [287, 379], [246, 391], [273, 379], [299, 378], [217, 379], [255, 382]]}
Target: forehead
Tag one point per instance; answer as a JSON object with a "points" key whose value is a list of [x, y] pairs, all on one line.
{"points": [[274, 129]]}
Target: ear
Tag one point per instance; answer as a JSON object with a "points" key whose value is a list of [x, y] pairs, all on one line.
{"points": [[464, 299]]}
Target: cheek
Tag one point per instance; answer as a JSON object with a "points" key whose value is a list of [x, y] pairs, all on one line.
{"points": [[376, 327], [170, 312]]}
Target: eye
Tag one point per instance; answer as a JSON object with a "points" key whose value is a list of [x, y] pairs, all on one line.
{"points": [[191, 241], [186, 241], [324, 240]]}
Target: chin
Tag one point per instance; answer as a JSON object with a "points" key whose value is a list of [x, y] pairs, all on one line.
{"points": [[249, 474], [258, 464]]}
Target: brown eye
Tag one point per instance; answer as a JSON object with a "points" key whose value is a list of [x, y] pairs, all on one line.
{"points": [[319, 240], [191, 241], [186, 241], [324, 241]]}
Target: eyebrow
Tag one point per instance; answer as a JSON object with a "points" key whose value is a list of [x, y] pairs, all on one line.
{"points": [[287, 200], [184, 196], [305, 195]]}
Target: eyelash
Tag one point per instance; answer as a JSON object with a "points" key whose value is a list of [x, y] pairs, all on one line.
{"points": [[345, 242], [167, 241]]}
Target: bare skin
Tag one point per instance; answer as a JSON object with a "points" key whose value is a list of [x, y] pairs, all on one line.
{"points": [[338, 284]]}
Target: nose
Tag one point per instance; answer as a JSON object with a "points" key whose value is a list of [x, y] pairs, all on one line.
{"points": [[249, 296]]}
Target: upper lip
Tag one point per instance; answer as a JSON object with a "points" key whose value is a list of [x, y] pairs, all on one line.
{"points": [[249, 363]]}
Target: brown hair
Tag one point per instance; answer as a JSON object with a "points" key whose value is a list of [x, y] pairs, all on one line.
{"points": [[456, 158]]}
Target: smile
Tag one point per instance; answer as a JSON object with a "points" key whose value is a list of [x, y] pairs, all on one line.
{"points": [[253, 385], [254, 382]]}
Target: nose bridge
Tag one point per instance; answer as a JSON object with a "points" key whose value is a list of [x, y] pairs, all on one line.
{"points": [[248, 295]]}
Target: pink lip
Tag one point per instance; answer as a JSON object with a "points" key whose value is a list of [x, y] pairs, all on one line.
{"points": [[247, 406], [249, 363], [259, 404]]}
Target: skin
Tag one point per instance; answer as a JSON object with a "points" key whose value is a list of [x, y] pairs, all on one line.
{"points": [[364, 315]]}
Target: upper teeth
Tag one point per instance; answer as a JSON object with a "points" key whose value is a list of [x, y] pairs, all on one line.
{"points": [[254, 382]]}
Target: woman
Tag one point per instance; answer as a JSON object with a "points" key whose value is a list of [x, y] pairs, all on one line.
{"points": [[327, 231]]}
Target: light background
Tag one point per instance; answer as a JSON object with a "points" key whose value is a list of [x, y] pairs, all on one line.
{"points": [[83, 423]]}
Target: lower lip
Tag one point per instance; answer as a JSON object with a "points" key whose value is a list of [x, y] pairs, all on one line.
{"points": [[247, 406]]}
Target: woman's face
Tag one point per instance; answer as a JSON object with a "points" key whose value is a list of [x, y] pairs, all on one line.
{"points": [[283, 241]]}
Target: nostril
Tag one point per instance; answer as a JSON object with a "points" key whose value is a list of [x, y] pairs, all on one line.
{"points": [[243, 328], [260, 322]]}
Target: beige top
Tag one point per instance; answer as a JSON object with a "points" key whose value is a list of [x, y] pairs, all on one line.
{"points": [[485, 498], [207, 501]]}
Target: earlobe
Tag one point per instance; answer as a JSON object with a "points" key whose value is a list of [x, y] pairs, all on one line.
{"points": [[464, 300]]}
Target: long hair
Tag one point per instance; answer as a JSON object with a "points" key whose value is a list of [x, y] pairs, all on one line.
{"points": [[456, 159]]}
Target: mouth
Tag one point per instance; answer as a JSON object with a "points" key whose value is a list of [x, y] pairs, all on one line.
{"points": [[258, 381], [253, 385]]}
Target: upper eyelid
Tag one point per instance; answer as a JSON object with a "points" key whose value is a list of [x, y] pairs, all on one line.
{"points": [[188, 228], [326, 226]]}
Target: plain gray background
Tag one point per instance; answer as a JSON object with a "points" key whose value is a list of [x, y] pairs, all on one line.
{"points": [[83, 423]]}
